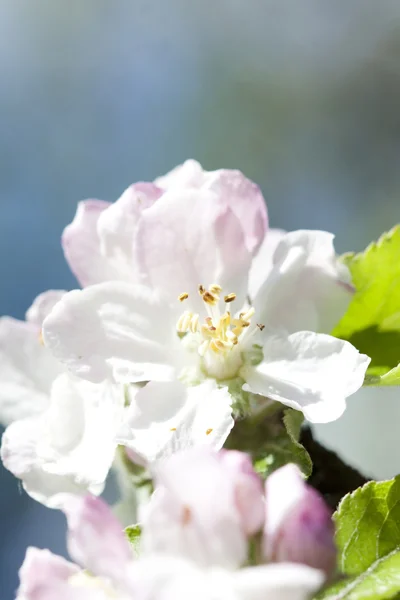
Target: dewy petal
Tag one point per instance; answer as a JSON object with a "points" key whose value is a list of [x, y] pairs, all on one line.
{"points": [[70, 447], [314, 373], [167, 417], [96, 539], [193, 513], [284, 581], [27, 370], [263, 261], [81, 244], [192, 237], [308, 288], [238, 193], [42, 306], [44, 576], [114, 331]]}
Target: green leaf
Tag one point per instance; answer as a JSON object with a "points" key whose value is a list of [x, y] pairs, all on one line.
{"points": [[283, 447], [133, 533], [368, 540], [372, 321]]}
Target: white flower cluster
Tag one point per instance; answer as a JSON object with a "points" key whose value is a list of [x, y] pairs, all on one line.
{"points": [[191, 313]]}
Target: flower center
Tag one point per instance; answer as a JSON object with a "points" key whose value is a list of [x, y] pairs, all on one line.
{"points": [[219, 336]]}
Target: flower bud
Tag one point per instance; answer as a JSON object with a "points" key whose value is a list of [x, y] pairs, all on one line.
{"points": [[298, 526], [248, 490]]}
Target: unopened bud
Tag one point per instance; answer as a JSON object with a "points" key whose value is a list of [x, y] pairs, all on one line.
{"points": [[298, 522], [249, 493]]}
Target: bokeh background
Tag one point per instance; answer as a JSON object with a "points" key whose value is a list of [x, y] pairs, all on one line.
{"points": [[301, 95]]}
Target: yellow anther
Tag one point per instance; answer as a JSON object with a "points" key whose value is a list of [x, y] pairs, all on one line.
{"points": [[184, 321], [173, 429], [41, 340], [230, 298], [215, 289], [247, 315], [201, 289], [183, 297], [208, 431], [194, 323], [260, 326], [210, 298]]}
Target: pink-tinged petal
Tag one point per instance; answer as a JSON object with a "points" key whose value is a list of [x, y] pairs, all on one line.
{"points": [[237, 192], [167, 417], [298, 526], [81, 244], [42, 306], [27, 370], [314, 373], [114, 331], [96, 539], [283, 581], [249, 492], [263, 261], [71, 446], [192, 513], [189, 238], [117, 229], [45, 576], [308, 288]]}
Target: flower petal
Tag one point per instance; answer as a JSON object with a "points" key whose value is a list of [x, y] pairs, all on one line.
{"points": [[113, 331], [27, 370], [283, 581], [70, 447], [193, 513], [263, 261], [81, 244], [167, 417], [238, 193], [117, 229], [96, 539], [42, 306], [308, 288], [189, 238], [44, 576], [314, 373]]}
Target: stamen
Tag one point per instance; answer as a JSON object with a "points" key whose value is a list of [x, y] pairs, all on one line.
{"points": [[260, 326], [210, 298], [230, 297], [194, 323], [208, 431], [173, 429], [184, 321], [201, 289], [246, 316], [183, 296], [41, 340], [186, 515], [215, 288]]}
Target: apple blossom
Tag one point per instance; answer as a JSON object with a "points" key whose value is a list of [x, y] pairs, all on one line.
{"points": [[106, 567], [174, 326], [298, 523]]}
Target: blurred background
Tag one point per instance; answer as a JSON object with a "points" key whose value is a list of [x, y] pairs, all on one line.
{"points": [[301, 95]]}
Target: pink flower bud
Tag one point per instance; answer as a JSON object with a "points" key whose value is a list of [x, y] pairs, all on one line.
{"points": [[298, 525], [248, 490]]}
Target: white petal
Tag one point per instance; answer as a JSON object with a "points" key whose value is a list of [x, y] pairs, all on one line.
{"points": [[307, 287], [189, 238], [263, 261], [167, 417], [70, 448], [314, 373], [114, 331], [117, 229], [81, 245], [42, 306], [27, 370], [284, 581]]}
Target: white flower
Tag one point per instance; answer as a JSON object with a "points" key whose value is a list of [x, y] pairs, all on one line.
{"points": [[185, 242]]}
